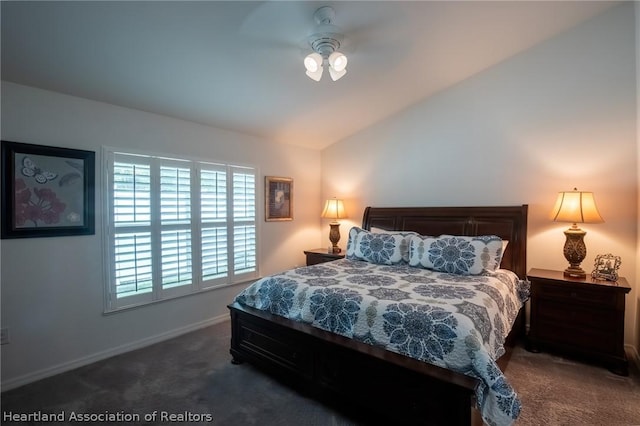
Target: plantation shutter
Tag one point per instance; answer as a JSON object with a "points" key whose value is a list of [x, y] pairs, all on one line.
{"points": [[244, 221], [132, 228], [177, 227], [213, 212], [175, 223]]}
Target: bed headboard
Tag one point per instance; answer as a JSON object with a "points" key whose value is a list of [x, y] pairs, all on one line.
{"points": [[507, 222]]}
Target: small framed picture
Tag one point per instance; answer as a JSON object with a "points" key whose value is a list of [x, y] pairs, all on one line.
{"points": [[46, 191], [278, 198], [606, 267]]}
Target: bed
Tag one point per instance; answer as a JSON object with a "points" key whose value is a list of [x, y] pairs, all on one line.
{"points": [[399, 383]]}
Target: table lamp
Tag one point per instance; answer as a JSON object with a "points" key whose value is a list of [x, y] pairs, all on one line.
{"points": [[334, 209], [575, 207]]}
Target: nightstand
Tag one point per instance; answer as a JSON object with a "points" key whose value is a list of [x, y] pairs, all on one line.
{"points": [[579, 316], [321, 255]]}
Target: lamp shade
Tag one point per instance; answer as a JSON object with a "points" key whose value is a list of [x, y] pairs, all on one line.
{"points": [[576, 207], [338, 61], [312, 62], [316, 76], [336, 75], [334, 209]]}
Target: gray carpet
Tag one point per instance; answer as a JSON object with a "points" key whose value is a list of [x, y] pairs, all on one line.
{"points": [[558, 391], [191, 377]]}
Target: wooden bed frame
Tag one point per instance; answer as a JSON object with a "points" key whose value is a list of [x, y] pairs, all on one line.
{"points": [[379, 381]]}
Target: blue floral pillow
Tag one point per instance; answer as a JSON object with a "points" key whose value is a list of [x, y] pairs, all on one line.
{"points": [[354, 233], [456, 254], [384, 248]]}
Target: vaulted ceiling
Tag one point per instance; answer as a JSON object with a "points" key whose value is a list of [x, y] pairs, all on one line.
{"points": [[237, 65]]}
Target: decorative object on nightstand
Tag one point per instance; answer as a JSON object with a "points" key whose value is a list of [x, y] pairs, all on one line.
{"points": [[321, 255], [334, 209], [606, 267], [579, 316], [575, 207]]}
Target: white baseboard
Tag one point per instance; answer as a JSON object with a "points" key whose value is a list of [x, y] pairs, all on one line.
{"points": [[99, 356]]}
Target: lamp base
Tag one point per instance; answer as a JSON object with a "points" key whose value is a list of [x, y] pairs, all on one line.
{"points": [[573, 272], [575, 251], [334, 237]]}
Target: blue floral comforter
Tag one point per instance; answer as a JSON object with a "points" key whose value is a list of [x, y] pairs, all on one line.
{"points": [[453, 321]]}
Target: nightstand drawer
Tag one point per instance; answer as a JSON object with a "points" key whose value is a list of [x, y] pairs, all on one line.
{"points": [[580, 338], [558, 312], [589, 296]]}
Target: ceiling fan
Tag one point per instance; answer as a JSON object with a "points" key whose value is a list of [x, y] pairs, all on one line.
{"points": [[371, 33], [325, 42]]}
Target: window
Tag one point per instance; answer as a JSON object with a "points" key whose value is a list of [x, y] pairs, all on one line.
{"points": [[176, 227]]}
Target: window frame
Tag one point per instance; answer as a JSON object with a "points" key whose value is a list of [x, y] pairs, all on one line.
{"points": [[195, 226]]}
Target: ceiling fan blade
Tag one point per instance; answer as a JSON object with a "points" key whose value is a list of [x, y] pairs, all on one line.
{"points": [[278, 25]]}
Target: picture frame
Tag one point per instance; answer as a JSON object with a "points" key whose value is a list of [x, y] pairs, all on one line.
{"points": [[46, 191], [278, 198], [606, 267]]}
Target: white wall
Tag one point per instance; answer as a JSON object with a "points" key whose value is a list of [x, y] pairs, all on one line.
{"points": [[559, 115], [52, 288]]}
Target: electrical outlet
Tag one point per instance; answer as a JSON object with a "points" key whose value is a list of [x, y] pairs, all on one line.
{"points": [[4, 336]]}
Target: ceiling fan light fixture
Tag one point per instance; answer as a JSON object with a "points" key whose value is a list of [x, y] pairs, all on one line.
{"points": [[336, 75], [316, 75], [338, 61], [313, 62], [325, 43]]}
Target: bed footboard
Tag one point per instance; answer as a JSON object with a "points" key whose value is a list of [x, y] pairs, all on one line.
{"points": [[327, 365]]}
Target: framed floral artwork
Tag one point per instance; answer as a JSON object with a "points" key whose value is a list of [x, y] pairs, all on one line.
{"points": [[46, 191], [278, 198]]}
